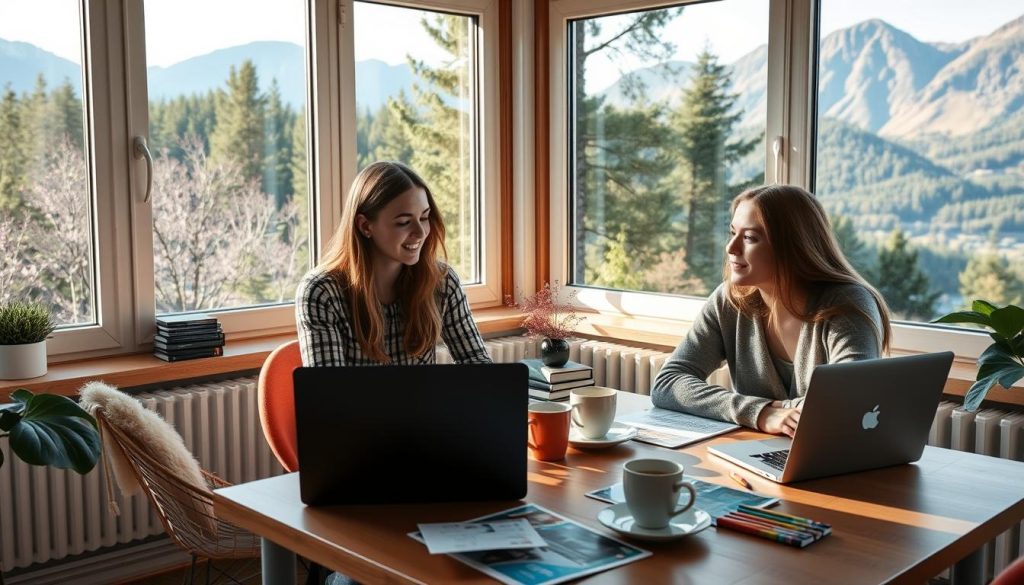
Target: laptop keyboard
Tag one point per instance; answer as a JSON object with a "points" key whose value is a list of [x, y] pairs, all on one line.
{"points": [[775, 459]]}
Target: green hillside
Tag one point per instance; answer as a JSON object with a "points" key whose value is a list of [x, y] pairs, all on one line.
{"points": [[879, 183], [997, 147]]}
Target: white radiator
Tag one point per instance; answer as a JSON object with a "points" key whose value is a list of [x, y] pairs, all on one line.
{"points": [[630, 369], [990, 432], [48, 514]]}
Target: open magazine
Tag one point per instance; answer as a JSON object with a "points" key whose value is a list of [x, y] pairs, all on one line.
{"points": [[714, 499], [671, 429], [572, 550]]}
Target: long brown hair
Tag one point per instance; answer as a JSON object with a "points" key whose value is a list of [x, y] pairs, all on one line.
{"points": [[349, 257], [806, 254]]}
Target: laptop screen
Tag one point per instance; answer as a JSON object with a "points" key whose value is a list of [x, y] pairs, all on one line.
{"points": [[405, 434]]}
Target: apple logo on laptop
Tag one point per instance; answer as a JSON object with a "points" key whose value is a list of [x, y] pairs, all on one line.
{"points": [[870, 419]]}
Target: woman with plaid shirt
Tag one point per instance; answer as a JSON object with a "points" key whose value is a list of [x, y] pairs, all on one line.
{"points": [[381, 295]]}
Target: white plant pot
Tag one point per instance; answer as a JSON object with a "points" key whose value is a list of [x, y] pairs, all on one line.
{"points": [[26, 360]]}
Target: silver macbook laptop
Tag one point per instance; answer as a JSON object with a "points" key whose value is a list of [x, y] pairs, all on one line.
{"points": [[857, 416]]}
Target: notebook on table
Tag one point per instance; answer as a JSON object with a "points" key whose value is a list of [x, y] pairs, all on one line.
{"points": [[408, 434], [856, 416]]}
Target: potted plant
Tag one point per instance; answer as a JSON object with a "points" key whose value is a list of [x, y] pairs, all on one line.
{"points": [[48, 429], [24, 328], [1003, 361], [551, 321]]}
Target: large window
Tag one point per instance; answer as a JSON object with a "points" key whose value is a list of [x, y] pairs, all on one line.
{"points": [[417, 99], [46, 204], [227, 131], [920, 149], [253, 135], [667, 123]]}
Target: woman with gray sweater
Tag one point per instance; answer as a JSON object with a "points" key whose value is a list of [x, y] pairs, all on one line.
{"points": [[790, 301]]}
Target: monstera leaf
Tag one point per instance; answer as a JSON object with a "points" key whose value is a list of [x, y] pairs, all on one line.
{"points": [[1002, 362], [47, 429]]}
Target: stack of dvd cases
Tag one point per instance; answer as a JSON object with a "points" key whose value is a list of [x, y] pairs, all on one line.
{"points": [[185, 337]]}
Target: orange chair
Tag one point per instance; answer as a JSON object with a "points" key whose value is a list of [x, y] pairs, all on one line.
{"points": [[1011, 575], [277, 403]]}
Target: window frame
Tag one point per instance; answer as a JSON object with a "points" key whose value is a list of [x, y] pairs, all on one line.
{"points": [[114, 80], [489, 291], [792, 72]]}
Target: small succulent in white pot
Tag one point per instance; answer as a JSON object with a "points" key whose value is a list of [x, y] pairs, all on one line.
{"points": [[24, 328]]}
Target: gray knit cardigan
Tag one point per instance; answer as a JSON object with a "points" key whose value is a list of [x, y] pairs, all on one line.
{"points": [[721, 334]]}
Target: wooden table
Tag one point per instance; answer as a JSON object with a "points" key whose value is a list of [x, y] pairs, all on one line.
{"points": [[901, 524]]}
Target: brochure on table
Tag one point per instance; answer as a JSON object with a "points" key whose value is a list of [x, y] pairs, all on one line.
{"points": [[572, 550], [668, 428], [714, 499], [456, 537]]}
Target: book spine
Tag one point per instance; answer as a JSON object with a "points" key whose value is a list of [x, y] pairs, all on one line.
{"points": [[189, 345]]}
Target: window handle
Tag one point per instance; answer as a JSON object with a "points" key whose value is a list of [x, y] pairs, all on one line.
{"points": [[140, 150], [777, 151]]}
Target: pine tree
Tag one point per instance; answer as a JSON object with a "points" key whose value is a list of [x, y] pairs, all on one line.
{"points": [[620, 161], [300, 190], [14, 161], [300, 164], [619, 268], [65, 115], [238, 134], [437, 125], [988, 277], [902, 283], [384, 137], [855, 250], [278, 140], [705, 121]]}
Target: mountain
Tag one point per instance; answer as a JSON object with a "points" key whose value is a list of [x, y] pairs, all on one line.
{"points": [[376, 81], [661, 82], [983, 85], [878, 183], [273, 60], [871, 69], [665, 82], [22, 63]]}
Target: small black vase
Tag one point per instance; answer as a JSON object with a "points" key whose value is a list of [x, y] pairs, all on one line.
{"points": [[554, 352]]}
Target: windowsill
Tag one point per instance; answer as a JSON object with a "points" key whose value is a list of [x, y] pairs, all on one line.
{"points": [[249, 354], [126, 371]]}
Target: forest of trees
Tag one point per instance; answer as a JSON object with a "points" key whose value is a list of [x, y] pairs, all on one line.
{"points": [[230, 188], [651, 184]]}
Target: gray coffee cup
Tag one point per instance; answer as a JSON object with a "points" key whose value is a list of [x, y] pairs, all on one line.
{"points": [[652, 489]]}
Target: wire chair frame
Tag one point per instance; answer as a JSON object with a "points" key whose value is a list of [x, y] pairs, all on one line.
{"points": [[185, 511]]}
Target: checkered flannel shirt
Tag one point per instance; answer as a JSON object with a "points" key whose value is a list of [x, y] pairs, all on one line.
{"points": [[325, 330]]}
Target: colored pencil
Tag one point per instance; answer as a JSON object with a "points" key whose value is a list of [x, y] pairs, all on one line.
{"points": [[786, 517], [816, 530], [787, 528], [758, 530]]}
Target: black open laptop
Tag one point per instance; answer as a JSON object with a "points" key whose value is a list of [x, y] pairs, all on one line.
{"points": [[409, 434]]}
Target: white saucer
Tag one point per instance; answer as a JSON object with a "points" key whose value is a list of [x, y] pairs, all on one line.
{"points": [[619, 519], [617, 434]]}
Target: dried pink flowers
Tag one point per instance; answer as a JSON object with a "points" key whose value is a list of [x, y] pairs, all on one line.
{"points": [[545, 317]]}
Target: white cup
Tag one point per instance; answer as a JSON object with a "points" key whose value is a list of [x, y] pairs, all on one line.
{"points": [[652, 488], [593, 410]]}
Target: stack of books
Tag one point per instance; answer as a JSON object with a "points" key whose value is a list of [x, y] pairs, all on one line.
{"points": [[185, 337], [547, 383]]}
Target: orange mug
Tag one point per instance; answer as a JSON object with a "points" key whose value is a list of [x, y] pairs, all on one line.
{"points": [[548, 430]]}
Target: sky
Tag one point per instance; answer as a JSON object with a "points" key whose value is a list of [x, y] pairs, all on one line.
{"points": [[731, 27], [173, 33]]}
